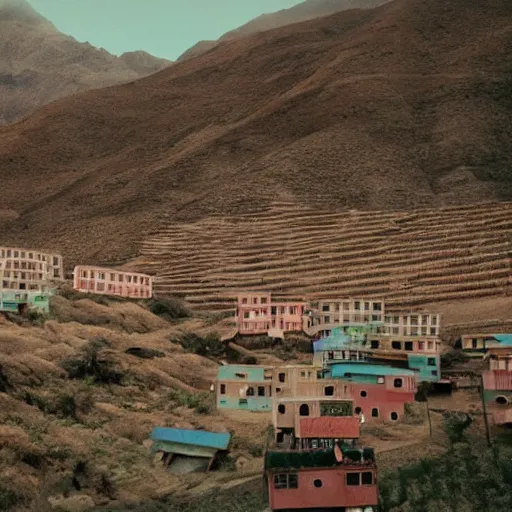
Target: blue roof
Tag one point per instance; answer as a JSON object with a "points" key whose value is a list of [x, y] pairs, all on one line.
{"points": [[331, 343], [504, 339], [192, 437], [362, 368]]}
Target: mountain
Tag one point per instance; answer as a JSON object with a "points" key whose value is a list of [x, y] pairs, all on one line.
{"points": [[301, 12], [404, 106], [39, 64]]}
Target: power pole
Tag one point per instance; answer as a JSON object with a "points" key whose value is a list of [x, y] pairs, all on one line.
{"points": [[484, 409]]}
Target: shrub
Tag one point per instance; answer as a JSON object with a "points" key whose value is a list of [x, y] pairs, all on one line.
{"points": [[89, 365], [453, 358], [170, 309], [8, 499], [211, 345], [455, 425]]}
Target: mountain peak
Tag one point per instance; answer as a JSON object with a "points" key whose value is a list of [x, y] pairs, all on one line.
{"points": [[21, 11]]}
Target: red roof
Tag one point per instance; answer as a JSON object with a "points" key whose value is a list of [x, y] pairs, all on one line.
{"points": [[499, 380], [330, 427]]}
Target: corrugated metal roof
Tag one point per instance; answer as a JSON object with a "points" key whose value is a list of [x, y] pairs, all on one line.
{"points": [[499, 380], [193, 437], [362, 368]]}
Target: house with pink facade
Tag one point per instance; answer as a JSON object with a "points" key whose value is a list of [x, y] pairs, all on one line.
{"points": [[259, 313], [108, 281]]}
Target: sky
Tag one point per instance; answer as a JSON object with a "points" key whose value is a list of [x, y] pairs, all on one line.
{"points": [[164, 28]]}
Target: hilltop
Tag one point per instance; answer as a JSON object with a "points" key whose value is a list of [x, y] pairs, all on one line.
{"points": [[40, 64], [301, 12]]}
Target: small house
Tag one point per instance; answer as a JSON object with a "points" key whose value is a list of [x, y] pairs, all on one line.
{"points": [[186, 451]]}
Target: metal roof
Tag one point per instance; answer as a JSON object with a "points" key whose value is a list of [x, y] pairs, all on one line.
{"points": [[192, 437], [504, 339]]}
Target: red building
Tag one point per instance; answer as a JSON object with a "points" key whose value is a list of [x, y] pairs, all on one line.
{"points": [[342, 478]]}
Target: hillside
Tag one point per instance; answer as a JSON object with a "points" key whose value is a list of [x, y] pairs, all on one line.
{"points": [[80, 394], [307, 10], [397, 108], [39, 64]]}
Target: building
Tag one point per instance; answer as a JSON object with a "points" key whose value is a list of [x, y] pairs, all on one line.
{"points": [[379, 392], [497, 391], [341, 478], [323, 316], [478, 344], [27, 279], [21, 301], [185, 451], [258, 313], [412, 324], [29, 270], [244, 387], [108, 281], [421, 354]]}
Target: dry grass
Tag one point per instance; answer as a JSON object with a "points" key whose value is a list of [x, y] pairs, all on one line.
{"points": [[50, 423]]}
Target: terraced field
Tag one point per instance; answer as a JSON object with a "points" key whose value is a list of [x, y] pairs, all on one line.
{"points": [[410, 258]]}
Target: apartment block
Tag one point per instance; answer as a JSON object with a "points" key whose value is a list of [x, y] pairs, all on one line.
{"points": [[412, 324], [108, 281], [258, 313]]}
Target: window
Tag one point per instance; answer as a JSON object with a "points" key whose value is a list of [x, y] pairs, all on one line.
{"points": [[327, 319], [501, 400], [433, 331], [281, 409], [329, 390], [263, 300], [398, 383], [394, 416], [325, 307], [358, 410], [430, 345], [375, 412], [261, 391], [408, 345], [120, 278], [280, 437], [246, 314], [304, 410], [223, 389], [282, 377], [353, 479], [377, 306], [250, 391], [363, 394], [375, 344], [255, 300], [367, 478], [431, 361], [396, 345], [286, 481], [244, 300], [317, 483], [367, 306], [242, 402], [434, 373], [421, 345], [241, 375]]}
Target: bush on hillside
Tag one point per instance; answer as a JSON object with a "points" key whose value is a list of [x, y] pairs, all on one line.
{"points": [[89, 365], [170, 309], [211, 345]]}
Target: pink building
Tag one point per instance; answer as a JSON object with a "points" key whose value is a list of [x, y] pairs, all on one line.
{"points": [[257, 313], [107, 281]]}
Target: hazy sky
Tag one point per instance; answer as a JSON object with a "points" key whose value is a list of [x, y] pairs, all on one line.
{"points": [[165, 28]]}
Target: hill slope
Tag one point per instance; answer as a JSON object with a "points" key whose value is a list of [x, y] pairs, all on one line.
{"points": [[39, 64], [398, 107], [307, 10]]}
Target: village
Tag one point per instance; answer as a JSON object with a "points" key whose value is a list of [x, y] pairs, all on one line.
{"points": [[366, 365]]}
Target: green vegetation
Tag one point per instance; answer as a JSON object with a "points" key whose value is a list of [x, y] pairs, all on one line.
{"points": [[170, 309], [9, 499], [453, 358], [89, 364], [202, 403], [210, 345]]}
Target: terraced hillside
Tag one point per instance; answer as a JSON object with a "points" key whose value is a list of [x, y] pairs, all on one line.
{"points": [[410, 258]]}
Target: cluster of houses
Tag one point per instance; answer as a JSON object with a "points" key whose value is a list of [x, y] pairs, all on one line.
{"points": [[28, 278]]}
